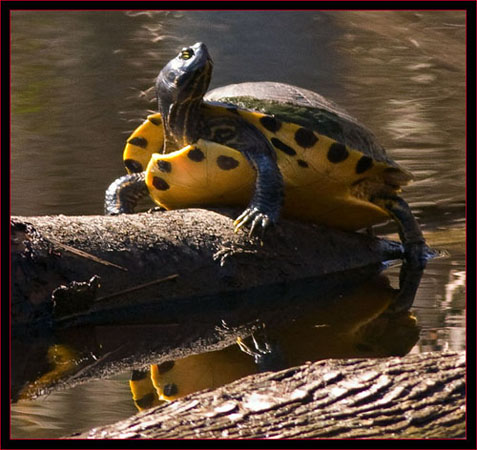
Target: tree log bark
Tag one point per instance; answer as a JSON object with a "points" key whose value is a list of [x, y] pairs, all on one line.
{"points": [[418, 396], [72, 262]]}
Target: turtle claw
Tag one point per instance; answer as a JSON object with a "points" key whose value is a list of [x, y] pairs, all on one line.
{"points": [[267, 355], [417, 254], [156, 209], [241, 220], [255, 218], [261, 220]]}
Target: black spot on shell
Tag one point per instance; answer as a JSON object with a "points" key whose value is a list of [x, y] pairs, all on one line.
{"points": [[365, 163], [164, 166], [302, 163], [170, 389], [283, 147], [139, 375], [138, 141], [337, 152], [270, 123], [155, 121], [305, 138], [227, 162], [196, 154], [160, 184], [146, 401], [165, 366], [133, 166]]}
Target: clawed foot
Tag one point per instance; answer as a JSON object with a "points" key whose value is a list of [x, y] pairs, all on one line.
{"points": [[267, 355], [255, 218], [417, 254]]}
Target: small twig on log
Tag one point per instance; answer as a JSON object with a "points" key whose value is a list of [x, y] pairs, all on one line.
{"points": [[136, 288], [86, 255], [96, 363]]}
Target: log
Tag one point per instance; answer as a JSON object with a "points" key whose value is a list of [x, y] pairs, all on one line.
{"points": [[69, 269], [417, 396]]}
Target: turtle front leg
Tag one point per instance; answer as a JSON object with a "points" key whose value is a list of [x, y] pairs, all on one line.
{"points": [[264, 208], [123, 194]]}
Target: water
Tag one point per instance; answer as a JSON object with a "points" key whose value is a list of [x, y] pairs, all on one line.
{"points": [[81, 82]]}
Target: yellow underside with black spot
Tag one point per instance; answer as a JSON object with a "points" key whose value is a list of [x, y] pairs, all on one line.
{"points": [[150, 131], [143, 391], [204, 371], [322, 181], [198, 183]]}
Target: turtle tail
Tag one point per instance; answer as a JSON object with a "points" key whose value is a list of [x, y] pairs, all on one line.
{"points": [[123, 194]]}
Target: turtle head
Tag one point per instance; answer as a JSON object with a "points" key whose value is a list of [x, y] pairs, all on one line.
{"points": [[185, 79], [180, 88]]}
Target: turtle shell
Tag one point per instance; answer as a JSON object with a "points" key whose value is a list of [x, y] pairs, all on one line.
{"points": [[331, 165], [304, 107]]}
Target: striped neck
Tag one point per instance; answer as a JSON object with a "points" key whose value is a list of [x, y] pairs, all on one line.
{"points": [[181, 124]]}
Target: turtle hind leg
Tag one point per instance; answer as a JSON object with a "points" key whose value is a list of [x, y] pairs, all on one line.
{"points": [[416, 251], [123, 194]]}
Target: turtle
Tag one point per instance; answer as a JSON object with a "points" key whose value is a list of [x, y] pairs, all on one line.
{"points": [[273, 148]]}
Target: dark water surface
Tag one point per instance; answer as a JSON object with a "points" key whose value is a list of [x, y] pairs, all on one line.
{"points": [[81, 83]]}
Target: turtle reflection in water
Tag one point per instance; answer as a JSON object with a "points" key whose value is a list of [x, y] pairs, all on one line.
{"points": [[361, 323], [271, 147]]}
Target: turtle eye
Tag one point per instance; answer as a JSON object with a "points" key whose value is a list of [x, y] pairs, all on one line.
{"points": [[186, 53]]}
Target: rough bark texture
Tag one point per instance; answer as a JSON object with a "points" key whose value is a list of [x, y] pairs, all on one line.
{"points": [[169, 255], [418, 396]]}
